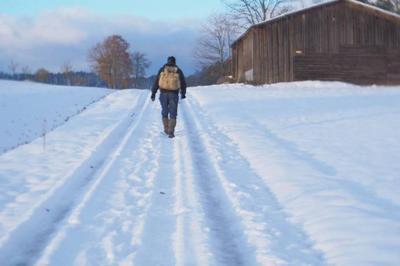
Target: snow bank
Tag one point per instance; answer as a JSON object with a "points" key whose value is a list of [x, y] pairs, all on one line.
{"points": [[29, 109]]}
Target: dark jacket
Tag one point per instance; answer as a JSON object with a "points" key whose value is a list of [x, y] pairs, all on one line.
{"points": [[181, 78]]}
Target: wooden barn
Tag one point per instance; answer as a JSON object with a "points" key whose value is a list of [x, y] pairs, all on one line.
{"points": [[342, 40]]}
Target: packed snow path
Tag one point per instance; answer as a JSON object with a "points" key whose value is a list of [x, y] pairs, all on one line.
{"points": [[122, 193]]}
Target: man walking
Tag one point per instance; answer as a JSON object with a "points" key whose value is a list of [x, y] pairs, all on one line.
{"points": [[170, 80]]}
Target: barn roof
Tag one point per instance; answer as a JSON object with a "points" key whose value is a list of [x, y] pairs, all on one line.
{"points": [[299, 11]]}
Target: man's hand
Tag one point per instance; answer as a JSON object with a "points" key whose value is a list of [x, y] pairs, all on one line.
{"points": [[153, 97]]}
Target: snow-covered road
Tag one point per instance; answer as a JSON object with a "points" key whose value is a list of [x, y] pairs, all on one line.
{"points": [[231, 189]]}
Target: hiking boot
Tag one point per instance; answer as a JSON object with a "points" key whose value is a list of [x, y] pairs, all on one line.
{"points": [[172, 124], [165, 121]]}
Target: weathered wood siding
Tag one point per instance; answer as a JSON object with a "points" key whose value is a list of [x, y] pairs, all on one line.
{"points": [[363, 65], [244, 53], [322, 43]]}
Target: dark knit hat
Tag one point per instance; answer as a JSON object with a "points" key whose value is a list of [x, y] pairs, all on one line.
{"points": [[171, 60]]}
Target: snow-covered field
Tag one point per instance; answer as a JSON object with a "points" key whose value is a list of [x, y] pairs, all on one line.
{"points": [[300, 173], [28, 109]]}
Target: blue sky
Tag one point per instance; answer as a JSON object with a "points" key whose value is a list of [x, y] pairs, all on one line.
{"points": [[164, 9], [49, 33]]}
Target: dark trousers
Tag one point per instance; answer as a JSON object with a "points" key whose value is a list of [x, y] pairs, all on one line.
{"points": [[169, 104]]}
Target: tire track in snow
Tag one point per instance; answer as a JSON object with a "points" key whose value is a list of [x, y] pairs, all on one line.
{"points": [[111, 222], [226, 237], [175, 229], [273, 238], [172, 231], [158, 223], [191, 238], [28, 239]]}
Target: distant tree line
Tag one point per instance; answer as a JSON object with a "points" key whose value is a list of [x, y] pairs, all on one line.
{"points": [[75, 78], [113, 65]]}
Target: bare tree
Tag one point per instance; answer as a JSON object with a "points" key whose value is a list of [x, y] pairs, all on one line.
{"points": [[111, 60], [66, 69], [396, 4], [26, 70], [140, 64], [13, 66], [250, 12], [390, 5], [213, 46]]}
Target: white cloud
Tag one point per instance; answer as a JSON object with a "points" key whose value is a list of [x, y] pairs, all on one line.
{"points": [[57, 27], [56, 36]]}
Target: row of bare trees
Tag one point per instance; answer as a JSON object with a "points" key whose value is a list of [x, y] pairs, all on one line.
{"points": [[110, 59], [113, 62], [40, 74], [14, 68], [212, 51], [66, 76]]}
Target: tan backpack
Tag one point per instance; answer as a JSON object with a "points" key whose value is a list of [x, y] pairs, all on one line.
{"points": [[169, 79]]}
